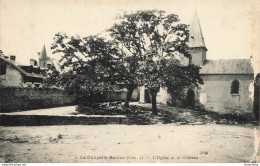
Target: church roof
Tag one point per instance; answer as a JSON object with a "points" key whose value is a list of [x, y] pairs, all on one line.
{"points": [[196, 38], [227, 66], [43, 54]]}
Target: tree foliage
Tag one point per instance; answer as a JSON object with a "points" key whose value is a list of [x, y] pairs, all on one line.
{"points": [[152, 43], [147, 50], [88, 65]]}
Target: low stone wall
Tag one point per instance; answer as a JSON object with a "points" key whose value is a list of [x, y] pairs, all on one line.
{"points": [[44, 120], [18, 99]]}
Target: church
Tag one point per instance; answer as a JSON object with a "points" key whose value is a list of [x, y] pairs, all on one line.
{"points": [[44, 61], [227, 82]]}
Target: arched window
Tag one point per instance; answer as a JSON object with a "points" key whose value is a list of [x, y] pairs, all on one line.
{"points": [[235, 87]]}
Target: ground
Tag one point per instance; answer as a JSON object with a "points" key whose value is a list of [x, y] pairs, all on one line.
{"points": [[131, 143], [141, 114], [183, 116], [175, 135]]}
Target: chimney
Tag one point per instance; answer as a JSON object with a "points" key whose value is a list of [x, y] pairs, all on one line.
{"points": [[12, 57], [1, 53], [33, 62], [39, 54]]}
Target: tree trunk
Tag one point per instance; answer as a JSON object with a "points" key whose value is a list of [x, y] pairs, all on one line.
{"points": [[128, 96], [154, 94]]}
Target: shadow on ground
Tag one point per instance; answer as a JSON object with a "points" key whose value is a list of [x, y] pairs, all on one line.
{"points": [[141, 114], [116, 113]]}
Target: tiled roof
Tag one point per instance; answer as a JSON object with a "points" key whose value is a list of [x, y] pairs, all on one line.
{"points": [[21, 70], [196, 37], [227, 66]]}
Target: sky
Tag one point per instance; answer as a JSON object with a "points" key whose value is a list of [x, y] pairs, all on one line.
{"points": [[231, 28]]}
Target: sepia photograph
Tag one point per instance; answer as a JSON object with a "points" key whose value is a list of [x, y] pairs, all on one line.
{"points": [[121, 81]]}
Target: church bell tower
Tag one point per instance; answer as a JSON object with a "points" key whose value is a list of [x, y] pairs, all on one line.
{"points": [[44, 60], [197, 47]]}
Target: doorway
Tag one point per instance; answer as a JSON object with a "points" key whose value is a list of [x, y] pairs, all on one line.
{"points": [[190, 98], [147, 98]]}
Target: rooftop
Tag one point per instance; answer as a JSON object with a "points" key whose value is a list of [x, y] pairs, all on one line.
{"points": [[14, 65], [227, 66]]}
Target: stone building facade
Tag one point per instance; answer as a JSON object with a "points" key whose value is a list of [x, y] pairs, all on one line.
{"points": [[12, 75], [227, 82], [227, 85], [9, 75], [15, 74]]}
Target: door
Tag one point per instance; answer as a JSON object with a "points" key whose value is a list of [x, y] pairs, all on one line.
{"points": [[203, 98]]}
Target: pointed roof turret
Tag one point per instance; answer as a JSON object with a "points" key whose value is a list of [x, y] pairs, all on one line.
{"points": [[196, 37], [43, 54]]}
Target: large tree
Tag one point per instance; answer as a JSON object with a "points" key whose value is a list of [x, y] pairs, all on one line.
{"points": [[126, 34], [152, 43], [88, 65]]}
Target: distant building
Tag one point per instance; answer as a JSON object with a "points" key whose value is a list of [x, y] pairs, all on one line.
{"points": [[44, 61], [227, 82], [11, 74], [15, 74]]}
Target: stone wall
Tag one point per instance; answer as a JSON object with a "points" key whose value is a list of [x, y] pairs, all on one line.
{"points": [[18, 99], [121, 95], [163, 97], [45, 120], [216, 95]]}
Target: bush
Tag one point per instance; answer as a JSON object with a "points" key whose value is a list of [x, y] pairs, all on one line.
{"points": [[238, 117]]}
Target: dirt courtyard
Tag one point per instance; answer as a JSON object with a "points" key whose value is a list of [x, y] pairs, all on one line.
{"points": [[125, 143]]}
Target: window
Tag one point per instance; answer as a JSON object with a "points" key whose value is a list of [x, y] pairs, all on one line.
{"points": [[235, 87], [2, 68]]}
